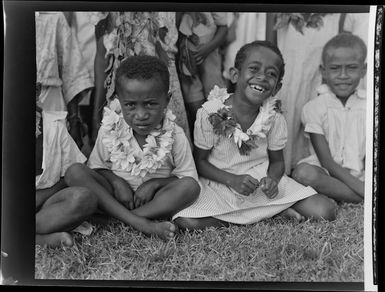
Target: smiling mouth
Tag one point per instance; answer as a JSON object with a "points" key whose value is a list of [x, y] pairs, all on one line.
{"points": [[257, 88], [142, 126]]}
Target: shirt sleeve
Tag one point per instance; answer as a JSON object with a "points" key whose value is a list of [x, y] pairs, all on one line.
{"points": [[277, 136], [99, 157], [220, 18], [182, 156], [312, 117], [204, 137]]}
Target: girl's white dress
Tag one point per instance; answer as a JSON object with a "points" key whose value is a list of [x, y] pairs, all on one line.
{"points": [[224, 203]]}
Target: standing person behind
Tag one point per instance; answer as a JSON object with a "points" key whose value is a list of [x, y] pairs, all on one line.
{"points": [[84, 32], [239, 141], [246, 27], [59, 208], [199, 61], [61, 72], [123, 34], [300, 37], [141, 168], [335, 121]]}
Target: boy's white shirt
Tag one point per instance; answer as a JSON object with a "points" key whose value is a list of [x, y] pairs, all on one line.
{"points": [[343, 127], [180, 162], [59, 149]]}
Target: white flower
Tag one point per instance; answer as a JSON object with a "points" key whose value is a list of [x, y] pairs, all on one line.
{"points": [[264, 119], [110, 42], [115, 105], [110, 119], [117, 141], [240, 137], [218, 93]]}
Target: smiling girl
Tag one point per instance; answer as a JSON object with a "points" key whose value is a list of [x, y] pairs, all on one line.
{"points": [[239, 139]]}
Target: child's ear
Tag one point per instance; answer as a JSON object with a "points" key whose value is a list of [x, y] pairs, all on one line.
{"points": [[322, 71], [277, 88], [169, 95], [234, 74], [363, 72]]}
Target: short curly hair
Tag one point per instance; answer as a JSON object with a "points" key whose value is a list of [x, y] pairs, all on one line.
{"points": [[345, 40], [242, 54], [143, 68]]}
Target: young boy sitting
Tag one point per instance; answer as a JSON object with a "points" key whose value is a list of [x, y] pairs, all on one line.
{"points": [[59, 208], [335, 123], [141, 167]]}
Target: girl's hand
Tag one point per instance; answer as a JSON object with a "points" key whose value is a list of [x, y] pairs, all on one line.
{"points": [[145, 193], [269, 186], [244, 184], [201, 54], [123, 193]]}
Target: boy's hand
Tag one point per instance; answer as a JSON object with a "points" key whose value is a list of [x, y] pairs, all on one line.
{"points": [[244, 184], [123, 193], [201, 53], [145, 193], [269, 186]]}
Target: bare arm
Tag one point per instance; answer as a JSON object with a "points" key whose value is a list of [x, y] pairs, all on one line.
{"points": [[244, 184], [271, 34], [322, 150], [205, 49], [276, 167], [121, 189], [100, 92]]}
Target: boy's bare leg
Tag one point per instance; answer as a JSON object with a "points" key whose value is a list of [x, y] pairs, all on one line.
{"points": [[81, 175], [199, 223], [170, 199], [63, 211], [317, 207], [316, 177]]}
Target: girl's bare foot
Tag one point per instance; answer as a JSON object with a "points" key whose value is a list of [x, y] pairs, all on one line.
{"points": [[55, 239], [165, 229], [291, 213]]}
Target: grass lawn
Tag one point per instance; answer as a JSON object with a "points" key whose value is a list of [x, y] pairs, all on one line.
{"points": [[271, 250]]}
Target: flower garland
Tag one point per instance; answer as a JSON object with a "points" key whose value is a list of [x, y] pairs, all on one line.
{"points": [[299, 20], [118, 140], [224, 124]]}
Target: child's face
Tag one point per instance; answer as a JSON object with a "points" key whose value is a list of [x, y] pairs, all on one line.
{"points": [[143, 103], [343, 69], [258, 78]]}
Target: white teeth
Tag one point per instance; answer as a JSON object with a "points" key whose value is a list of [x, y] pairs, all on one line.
{"points": [[257, 88]]}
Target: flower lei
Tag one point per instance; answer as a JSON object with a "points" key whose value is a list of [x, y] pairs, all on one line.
{"points": [[299, 20], [224, 124], [118, 140]]}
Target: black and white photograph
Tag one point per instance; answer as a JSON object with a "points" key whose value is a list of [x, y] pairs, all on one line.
{"points": [[191, 146]]}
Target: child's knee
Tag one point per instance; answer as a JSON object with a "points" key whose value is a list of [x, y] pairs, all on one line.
{"points": [[82, 201], [305, 174], [74, 172], [190, 187], [325, 208]]}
